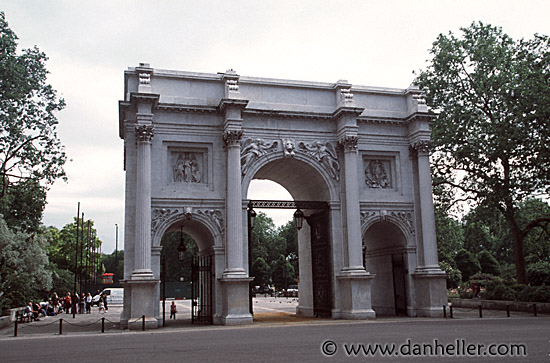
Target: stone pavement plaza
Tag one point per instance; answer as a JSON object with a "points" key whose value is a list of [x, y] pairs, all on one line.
{"points": [[268, 311]]}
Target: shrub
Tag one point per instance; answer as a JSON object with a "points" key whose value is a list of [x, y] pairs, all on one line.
{"points": [[454, 276], [467, 263], [499, 292], [535, 294], [488, 263], [538, 273]]}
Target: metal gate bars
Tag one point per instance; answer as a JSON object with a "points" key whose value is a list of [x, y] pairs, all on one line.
{"points": [[202, 279]]}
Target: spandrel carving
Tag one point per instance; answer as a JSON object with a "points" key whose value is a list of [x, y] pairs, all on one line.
{"points": [[325, 154], [252, 149]]}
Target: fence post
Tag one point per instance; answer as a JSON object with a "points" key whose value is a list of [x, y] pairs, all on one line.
{"points": [[480, 311], [508, 310], [535, 309], [15, 328], [444, 311], [451, 311], [143, 322], [60, 326], [103, 325]]}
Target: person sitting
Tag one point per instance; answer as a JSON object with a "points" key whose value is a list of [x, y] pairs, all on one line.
{"points": [[39, 310], [50, 310], [29, 312]]}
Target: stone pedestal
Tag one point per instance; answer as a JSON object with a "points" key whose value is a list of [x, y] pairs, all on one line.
{"points": [[140, 293], [355, 293], [235, 309], [431, 292]]}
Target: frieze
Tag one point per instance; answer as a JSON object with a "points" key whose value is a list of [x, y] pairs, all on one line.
{"points": [[406, 218], [186, 169], [376, 175]]}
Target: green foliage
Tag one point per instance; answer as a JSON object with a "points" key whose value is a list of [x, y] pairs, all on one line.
{"points": [[450, 236], [467, 263], [261, 272], [491, 132], [176, 270], [488, 263], [23, 267], [110, 266], [500, 292], [23, 205], [535, 294], [538, 273], [454, 276], [271, 245], [29, 146]]}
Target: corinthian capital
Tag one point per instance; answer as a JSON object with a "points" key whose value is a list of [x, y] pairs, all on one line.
{"points": [[144, 133], [349, 143], [421, 147], [232, 137]]}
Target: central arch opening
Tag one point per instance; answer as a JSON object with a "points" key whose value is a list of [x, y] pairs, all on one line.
{"points": [[281, 257]]}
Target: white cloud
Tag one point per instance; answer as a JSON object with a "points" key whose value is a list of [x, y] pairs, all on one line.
{"points": [[90, 44]]}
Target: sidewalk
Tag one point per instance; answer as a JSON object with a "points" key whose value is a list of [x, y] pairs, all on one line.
{"points": [[267, 312]]}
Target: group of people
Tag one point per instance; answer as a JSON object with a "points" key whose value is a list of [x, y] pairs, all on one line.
{"points": [[70, 304]]}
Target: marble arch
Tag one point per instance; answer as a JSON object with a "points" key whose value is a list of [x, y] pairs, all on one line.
{"points": [[194, 141]]}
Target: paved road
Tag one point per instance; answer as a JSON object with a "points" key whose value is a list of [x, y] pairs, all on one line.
{"points": [[273, 341]]}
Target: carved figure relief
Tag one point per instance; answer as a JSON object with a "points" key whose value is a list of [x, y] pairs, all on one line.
{"points": [[252, 149], [325, 154], [161, 215], [376, 175], [186, 169], [288, 148]]}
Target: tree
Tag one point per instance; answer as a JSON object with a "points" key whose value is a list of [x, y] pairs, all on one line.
{"points": [[175, 270], [491, 132], [23, 205], [23, 267], [29, 146], [467, 264], [488, 263]]}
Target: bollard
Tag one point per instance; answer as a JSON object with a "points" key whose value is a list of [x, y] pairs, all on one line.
{"points": [[451, 311], [444, 311], [103, 325], [480, 311], [60, 326], [535, 309], [15, 329], [508, 310], [143, 322]]}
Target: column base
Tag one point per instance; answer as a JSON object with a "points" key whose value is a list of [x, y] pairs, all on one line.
{"points": [[356, 294], [235, 289], [141, 302], [431, 291]]}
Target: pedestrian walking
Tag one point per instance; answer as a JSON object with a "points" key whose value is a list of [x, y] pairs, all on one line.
{"points": [[173, 310]]}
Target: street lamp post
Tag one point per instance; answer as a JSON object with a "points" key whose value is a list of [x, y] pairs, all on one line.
{"points": [[251, 214]]}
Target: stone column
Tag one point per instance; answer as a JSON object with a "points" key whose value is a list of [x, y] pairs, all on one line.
{"points": [[428, 237], [352, 211], [234, 231], [142, 266], [429, 280]]}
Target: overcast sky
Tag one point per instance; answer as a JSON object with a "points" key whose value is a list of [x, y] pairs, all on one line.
{"points": [[91, 43]]}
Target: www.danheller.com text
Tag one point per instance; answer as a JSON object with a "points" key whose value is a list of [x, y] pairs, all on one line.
{"points": [[435, 348]]}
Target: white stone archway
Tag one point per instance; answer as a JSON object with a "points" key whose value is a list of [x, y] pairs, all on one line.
{"points": [[194, 141]]}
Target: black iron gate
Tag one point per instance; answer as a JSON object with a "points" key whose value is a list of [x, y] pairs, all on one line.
{"points": [[202, 275], [320, 263]]}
